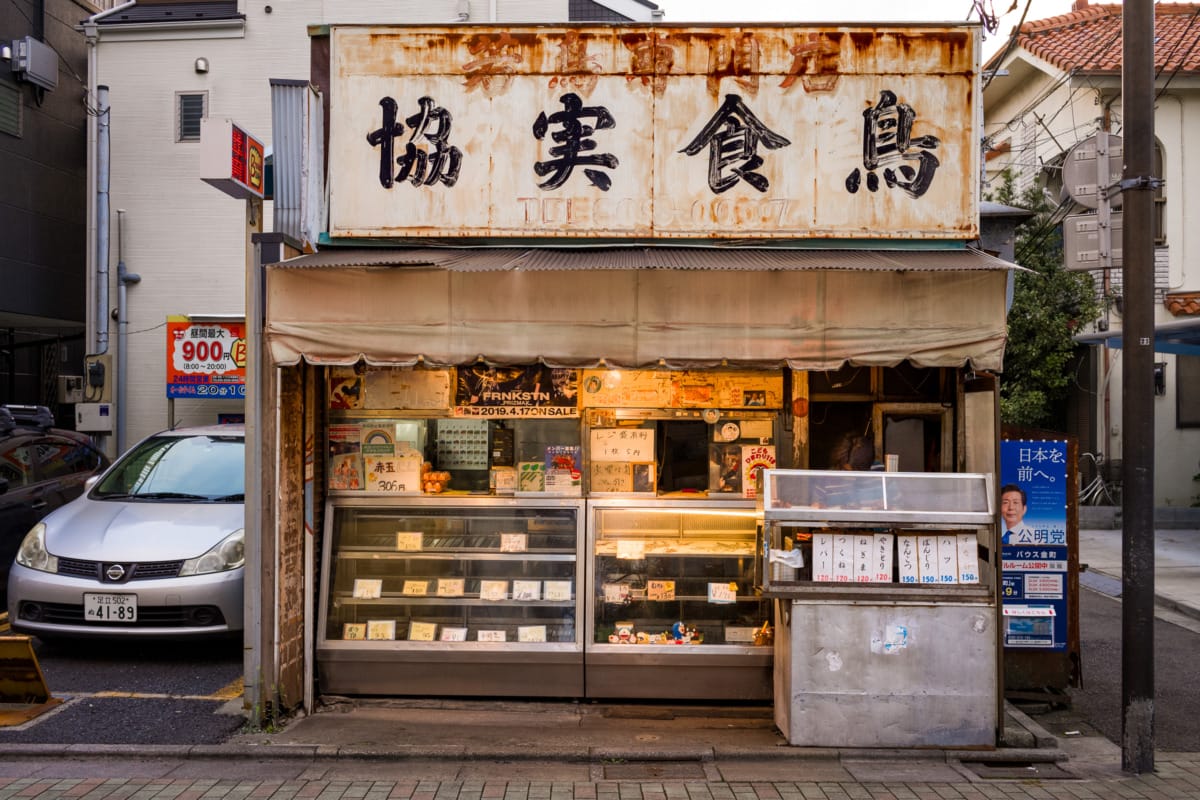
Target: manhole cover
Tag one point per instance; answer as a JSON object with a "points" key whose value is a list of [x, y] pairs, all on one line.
{"points": [[1015, 770], [650, 770]]}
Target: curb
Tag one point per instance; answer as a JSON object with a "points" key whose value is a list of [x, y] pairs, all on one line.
{"points": [[315, 753], [1162, 600]]}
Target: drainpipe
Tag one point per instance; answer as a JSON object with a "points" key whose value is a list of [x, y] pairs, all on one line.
{"points": [[124, 279], [103, 216], [97, 249]]}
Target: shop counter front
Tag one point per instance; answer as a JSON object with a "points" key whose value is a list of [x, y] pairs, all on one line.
{"points": [[672, 607], [888, 615], [542, 597], [454, 596]]}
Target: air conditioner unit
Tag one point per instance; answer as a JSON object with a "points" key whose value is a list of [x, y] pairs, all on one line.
{"points": [[35, 62]]}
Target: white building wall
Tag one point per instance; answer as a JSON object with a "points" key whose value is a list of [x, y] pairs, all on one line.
{"points": [[184, 238]]}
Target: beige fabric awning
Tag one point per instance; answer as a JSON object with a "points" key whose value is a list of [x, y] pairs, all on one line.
{"points": [[807, 309]]}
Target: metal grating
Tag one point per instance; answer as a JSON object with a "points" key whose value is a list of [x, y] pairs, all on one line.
{"points": [[10, 108]]}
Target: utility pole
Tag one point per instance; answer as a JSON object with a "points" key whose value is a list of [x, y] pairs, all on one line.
{"points": [[1137, 569]]}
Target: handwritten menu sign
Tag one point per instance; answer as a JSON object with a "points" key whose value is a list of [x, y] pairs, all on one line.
{"points": [[557, 590], [622, 444], [660, 590], [968, 558], [612, 476], [906, 559], [416, 588]]}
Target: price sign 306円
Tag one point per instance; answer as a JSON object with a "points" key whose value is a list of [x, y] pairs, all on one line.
{"points": [[206, 359]]}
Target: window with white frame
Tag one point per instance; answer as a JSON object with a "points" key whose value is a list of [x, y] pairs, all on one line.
{"points": [[190, 108]]}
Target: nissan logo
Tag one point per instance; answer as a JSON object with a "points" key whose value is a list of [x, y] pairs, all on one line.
{"points": [[114, 572]]}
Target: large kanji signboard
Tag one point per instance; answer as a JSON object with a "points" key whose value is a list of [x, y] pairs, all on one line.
{"points": [[832, 132], [206, 360]]}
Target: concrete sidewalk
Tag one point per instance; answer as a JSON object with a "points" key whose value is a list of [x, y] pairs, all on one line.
{"points": [[1176, 566]]}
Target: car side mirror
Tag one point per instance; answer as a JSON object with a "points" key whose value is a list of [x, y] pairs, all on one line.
{"points": [[90, 482]]}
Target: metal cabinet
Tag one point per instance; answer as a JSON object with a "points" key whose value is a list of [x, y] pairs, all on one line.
{"points": [[888, 631]]}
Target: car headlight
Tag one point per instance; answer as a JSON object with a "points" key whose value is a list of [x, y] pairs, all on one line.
{"points": [[33, 553], [229, 554]]}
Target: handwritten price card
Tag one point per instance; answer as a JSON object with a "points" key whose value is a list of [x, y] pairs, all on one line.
{"points": [[416, 588], [722, 593], [491, 636], [622, 444], [367, 588], [531, 633], [660, 590], [354, 631], [513, 542], [927, 565], [450, 587], [408, 541], [527, 590], [881, 563], [612, 476], [556, 590], [381, 629], [454, 634], [906, 559], [616, 592], [493, 590], [843, 557], [947, 557], [822, 556], [422, 631], [968, 558], [864, 552]]}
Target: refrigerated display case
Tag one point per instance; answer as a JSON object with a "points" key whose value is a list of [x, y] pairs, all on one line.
{"points": [[887, 623], [454, 596], [672, 606]]}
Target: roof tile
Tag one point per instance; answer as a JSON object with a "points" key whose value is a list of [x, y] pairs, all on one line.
{"points": [[1089, 39]]}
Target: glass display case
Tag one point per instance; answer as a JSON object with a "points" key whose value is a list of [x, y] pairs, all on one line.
{"points": [[476, 596], [875, 532], [673, 609]]}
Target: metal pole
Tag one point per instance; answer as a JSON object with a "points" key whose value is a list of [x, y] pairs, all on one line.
{"points": [[1137, 574]]}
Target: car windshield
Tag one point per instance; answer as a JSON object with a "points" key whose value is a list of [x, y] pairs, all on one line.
{"points": [[203, 468]]}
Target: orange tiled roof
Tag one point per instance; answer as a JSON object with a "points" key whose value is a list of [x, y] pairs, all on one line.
{"points": [[1089, 39]]}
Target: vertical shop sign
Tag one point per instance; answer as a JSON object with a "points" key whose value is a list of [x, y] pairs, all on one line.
{"points": [[206, 359], [1033, 503]]}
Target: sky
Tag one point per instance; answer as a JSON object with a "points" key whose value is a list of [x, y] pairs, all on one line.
{"points": [[1007, 11]]}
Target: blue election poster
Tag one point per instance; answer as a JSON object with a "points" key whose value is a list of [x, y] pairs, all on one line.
{"points": [[1033, 512]]}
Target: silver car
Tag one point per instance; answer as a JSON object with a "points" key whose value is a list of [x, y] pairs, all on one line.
{"points": [[155, 548]]}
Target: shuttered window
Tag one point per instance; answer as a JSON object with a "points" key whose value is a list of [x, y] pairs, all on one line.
{"points": [[10, 108], [190, 108]]}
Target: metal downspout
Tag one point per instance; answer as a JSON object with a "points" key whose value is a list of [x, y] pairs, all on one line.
{"points": [[124, 279]]}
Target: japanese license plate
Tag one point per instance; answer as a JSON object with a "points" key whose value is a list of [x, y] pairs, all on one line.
{"points": [[110, 607]]}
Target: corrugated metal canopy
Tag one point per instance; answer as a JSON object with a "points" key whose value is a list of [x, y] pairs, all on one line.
{"points": [[486, 259], [678, 307]]}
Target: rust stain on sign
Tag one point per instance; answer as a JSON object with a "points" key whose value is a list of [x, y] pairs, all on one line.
{"points": [[654, 131]]}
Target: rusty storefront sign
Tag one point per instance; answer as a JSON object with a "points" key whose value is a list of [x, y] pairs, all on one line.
{"points": [[819, 132]]}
